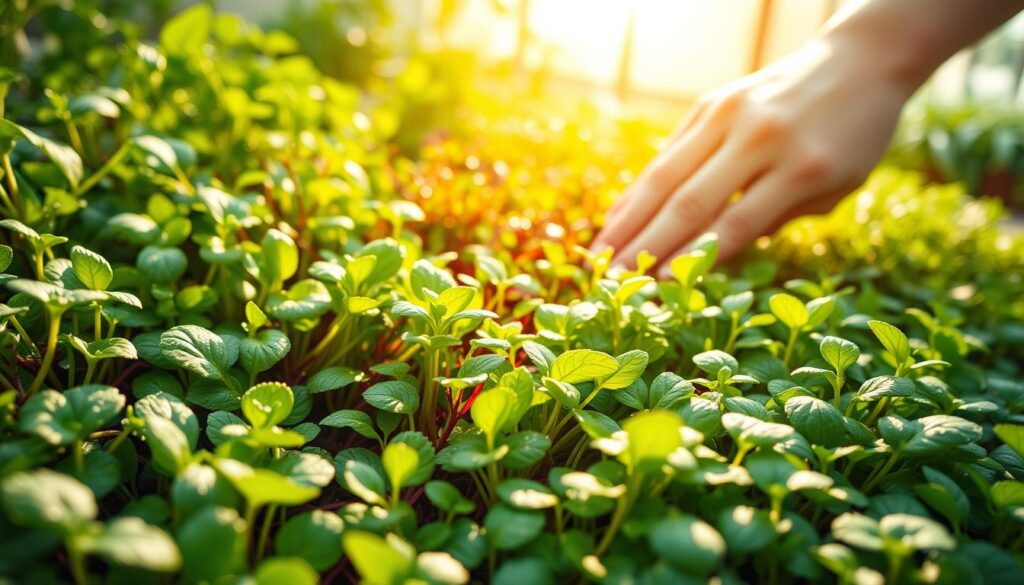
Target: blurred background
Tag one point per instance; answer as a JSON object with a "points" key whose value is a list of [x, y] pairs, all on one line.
{"points": [[652, 58], [644, 60]]}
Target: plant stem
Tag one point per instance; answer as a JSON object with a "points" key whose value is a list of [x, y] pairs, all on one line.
{"points": [[90, 367], [94, 178], [79, 457], [51, 349], [76, 564], [876, 477], [261, 544], [621, 509], [789, 346]]}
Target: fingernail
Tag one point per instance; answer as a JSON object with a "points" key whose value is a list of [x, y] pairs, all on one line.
{"points": [[598, 247]]}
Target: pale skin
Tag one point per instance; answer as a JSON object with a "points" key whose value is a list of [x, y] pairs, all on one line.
{"points": [[795, 137]]}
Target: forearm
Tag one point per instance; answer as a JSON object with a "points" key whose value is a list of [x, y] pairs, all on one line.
{"points": [[909, 39]]}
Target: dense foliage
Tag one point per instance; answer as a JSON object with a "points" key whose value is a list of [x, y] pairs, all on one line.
{"points": [[240, 336], [978, 144]]}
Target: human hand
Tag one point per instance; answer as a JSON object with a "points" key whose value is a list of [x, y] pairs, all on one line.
{"points": [[794, 138]]}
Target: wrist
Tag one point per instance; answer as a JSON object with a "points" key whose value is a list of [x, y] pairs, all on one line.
{"points": [[902, 65]]}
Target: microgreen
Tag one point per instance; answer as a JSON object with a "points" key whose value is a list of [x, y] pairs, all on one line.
{"points": [[244, 338]]}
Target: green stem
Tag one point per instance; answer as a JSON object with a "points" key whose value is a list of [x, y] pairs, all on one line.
{"points": [[121, 437], [79, 457], [76, 564], [90, 368], [40, 268], [789, 346], [94, 178], [97, 321], [51, 349], [621, 510], [741, 452], [24, 336], [268, 516], [895, 566], [876, 477], [837, 388]]}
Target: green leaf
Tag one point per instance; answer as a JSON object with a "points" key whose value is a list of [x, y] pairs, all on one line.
{"points": [[314, 536], [60, 419], [168, 443], [746, 529], [789, 310], [173, 409], [1008, 494], [491, 410], [266, 405], [885, 386], [892, 339], [582, 365], [101, 471], [197, 487], [653, 436], [540, 355], [632, 365], [941, 433], [362, 480], [753, 432], [186, 33], [712, 362], [131, 542], [264, 486], [393, 396], [816, 420], [286, 571], [356, 420], [688, 543], [456, 299], [509, 528], [524, 570], [944, 495], [255, 316], [425, 275], [213, 544], [442, 568], [157, 148], [101, 349], [915, 532], [379, 561], [526, 494], [162, 265], [858, 530], [306, 299], [565, 394], [525, 449], [200, 351], [261, 352], [425, 454], [818, 310], [279, 258], [1013, 436], [48, 500], [333, 378], [447, 498], [6, 256], [306, 469], [92, 269], [400, 462], [65, 157], [838, 352]]}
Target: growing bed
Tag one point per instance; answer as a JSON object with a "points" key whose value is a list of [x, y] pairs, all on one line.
{"points": [[240, 335]]}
